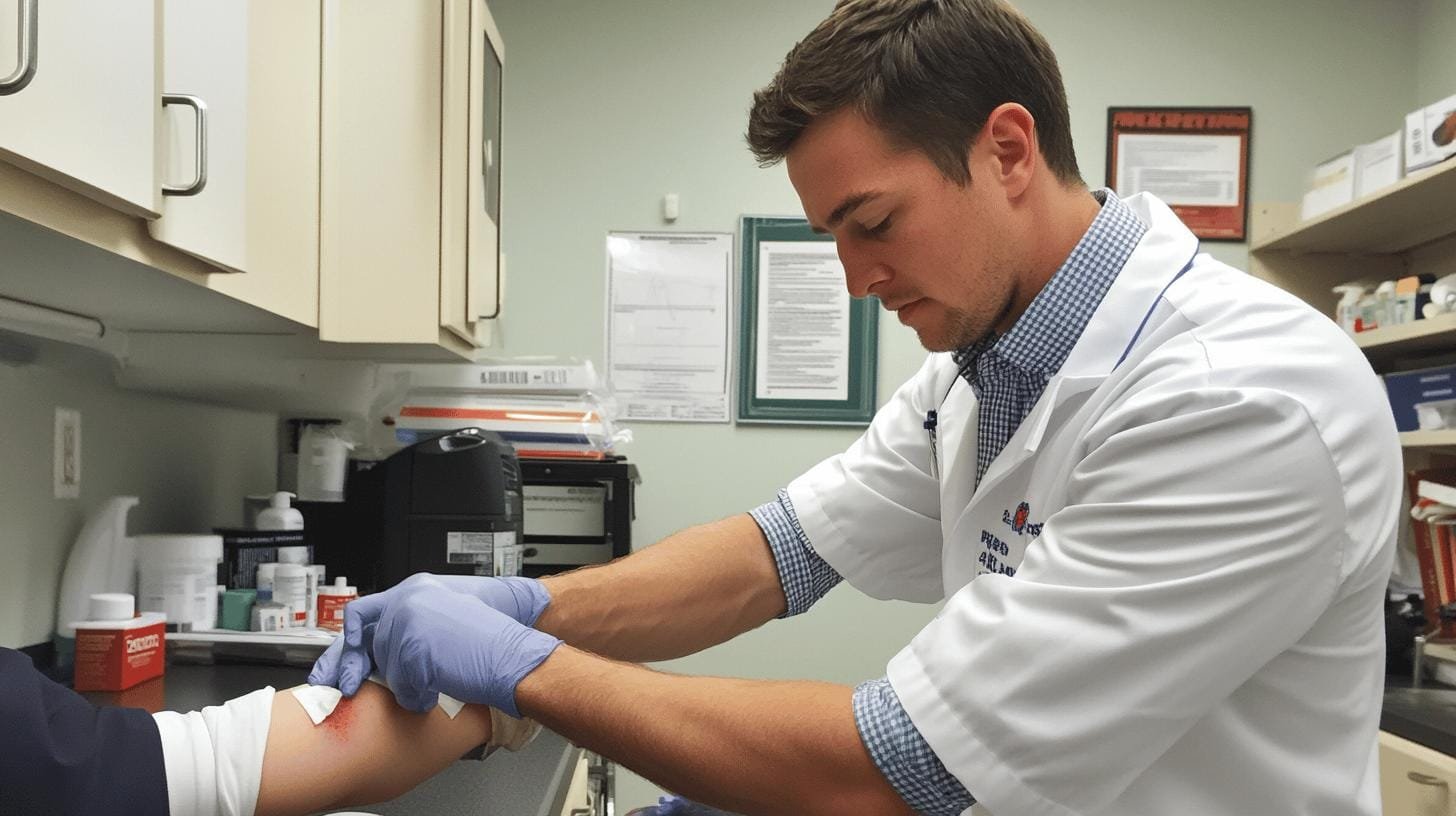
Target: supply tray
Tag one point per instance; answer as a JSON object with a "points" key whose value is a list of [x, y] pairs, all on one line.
{"points": [[294, 647]]}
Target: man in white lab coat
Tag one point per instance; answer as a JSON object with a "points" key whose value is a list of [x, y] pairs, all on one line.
{"points": [[1158, 497]]}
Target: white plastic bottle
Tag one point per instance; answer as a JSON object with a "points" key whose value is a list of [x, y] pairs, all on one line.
{"points": [[102, 560], [279, 515], [1348, 309], [290, 587]]}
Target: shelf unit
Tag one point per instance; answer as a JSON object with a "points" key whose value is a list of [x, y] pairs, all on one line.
{"points": [[1407, 228]]}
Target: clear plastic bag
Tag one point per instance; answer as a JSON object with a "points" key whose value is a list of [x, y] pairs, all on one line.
{"points": [[545, 407]]}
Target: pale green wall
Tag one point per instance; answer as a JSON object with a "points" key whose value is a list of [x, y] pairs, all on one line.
{"points": [[1435, 51], [190, 464], [611, 104]]}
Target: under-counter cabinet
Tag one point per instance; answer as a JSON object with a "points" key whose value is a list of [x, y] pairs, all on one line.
{"points": [[79, 92], [1415, 780]]}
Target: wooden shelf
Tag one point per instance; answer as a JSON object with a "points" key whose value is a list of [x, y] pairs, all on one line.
{"points": [[1416, 210], [1428, 439], [1407, 338]]}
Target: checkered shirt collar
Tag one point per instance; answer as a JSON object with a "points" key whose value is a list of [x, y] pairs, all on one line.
{"points": [[1043, 337]]}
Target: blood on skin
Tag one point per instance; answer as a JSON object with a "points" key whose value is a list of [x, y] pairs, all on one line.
{"points": [[341, 719]]}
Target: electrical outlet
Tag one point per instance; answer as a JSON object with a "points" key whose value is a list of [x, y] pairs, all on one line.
{"points": [[68, 453]]}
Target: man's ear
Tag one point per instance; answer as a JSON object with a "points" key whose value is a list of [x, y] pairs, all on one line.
{"points": [[1009, 148]]}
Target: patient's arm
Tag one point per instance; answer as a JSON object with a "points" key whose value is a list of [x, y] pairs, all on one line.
{"points": [[368, 750]]}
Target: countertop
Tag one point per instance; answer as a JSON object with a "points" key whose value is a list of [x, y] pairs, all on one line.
{"points": [[1426, 716], [531, 782]]}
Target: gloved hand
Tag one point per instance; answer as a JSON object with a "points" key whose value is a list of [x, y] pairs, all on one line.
{"points": [[345, 664], [431, 640]]}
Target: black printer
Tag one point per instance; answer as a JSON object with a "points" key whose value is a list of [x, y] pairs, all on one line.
{"points": [[449, 504]]}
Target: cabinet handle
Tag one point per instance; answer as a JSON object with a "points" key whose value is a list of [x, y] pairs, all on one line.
{"points": [[1426, 779], [200, 108], [28, 48]]}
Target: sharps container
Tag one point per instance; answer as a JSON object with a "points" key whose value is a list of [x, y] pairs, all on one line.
{"points": [[178, 577]]}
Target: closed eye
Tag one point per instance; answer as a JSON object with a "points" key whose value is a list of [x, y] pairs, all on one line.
{"points": [[878, 230]]}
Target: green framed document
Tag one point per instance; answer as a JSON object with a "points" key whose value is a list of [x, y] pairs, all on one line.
{"points": [[807, 350]]}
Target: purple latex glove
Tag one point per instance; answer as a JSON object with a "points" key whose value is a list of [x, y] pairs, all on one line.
{"points": [[346, 663], [431, 640]]}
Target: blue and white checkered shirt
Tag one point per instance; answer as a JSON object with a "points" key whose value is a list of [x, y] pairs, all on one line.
{"points": [[1008, 374]]}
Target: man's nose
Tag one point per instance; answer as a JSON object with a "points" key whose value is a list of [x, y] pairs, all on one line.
{"points": [[862, 273]]}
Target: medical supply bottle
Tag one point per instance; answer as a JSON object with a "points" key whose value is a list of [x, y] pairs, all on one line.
{"points": [[1347, 311], [316, 580], [279, 515], [264, 583], [331, 603], [290, 588]]}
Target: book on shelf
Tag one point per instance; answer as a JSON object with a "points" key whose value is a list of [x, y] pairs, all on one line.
{"points": [[1433, 530]]}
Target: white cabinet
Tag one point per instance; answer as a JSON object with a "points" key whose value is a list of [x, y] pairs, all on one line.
{"points": [[86, 116], [254, 64], [474, 60], [203, 171], [1415, 780], [408, 241]]}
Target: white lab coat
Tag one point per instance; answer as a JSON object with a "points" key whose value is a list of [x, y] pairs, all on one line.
{"points": [[1200, 537]]}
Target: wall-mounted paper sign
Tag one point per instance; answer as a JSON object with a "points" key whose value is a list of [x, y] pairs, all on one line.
{"points": [[806, 348], [1195, 159]]}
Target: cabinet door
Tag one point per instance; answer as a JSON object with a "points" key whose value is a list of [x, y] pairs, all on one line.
{"points": [[203, 172], [87, 116], [379, 276], [1415, 780], [282, 190], [470, 215], [487, 62]]}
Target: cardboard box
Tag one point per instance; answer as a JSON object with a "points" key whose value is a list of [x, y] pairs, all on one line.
{"points": [[1378, 164], [116, 655], [1333, 186], [1406, 388], [1430, 134]]}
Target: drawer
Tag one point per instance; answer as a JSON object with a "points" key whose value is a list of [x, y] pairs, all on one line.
{"points": [[1415, 780]]}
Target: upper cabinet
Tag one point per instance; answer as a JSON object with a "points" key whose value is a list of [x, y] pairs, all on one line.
{"points": [[79, 96], [204, 134], [408, 169], [253, 68], [333, 162]]}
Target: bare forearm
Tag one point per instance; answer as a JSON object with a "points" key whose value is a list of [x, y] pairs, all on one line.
{"points": [[368, 750], [692, 590], [753, 747]]}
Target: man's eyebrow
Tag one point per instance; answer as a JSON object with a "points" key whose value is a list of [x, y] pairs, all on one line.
{"points": [[846, 207]]}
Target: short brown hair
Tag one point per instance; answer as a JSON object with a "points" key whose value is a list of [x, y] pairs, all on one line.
{"points": [[927, 72]]}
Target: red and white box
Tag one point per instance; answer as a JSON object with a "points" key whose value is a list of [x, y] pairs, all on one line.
{"points": [[112, 655]]}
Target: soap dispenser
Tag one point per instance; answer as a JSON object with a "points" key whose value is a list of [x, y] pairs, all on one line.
{"points": [[103, 559], [279, 515]]}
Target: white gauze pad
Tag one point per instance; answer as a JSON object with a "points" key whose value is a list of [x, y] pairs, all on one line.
{"points": [[320, 701], [507, 732]]}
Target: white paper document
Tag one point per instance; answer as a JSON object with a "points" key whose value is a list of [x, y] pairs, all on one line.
{"points": [[1192, 170], [667, 324], [803, 323]]}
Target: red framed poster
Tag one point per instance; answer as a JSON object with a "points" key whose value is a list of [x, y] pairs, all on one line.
{"points": [[1196, 160]]}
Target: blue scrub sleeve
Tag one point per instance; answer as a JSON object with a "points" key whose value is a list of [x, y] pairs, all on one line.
{"points": [[804, 576], [62, 755]]}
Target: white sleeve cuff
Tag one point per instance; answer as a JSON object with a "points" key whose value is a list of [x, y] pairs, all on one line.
{"points": [[214, 757]]}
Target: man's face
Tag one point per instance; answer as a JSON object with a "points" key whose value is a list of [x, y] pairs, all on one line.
{"points": [[929, 249]]}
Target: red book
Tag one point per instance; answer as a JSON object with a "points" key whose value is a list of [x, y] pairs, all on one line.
{"points": [[1433, 558]]}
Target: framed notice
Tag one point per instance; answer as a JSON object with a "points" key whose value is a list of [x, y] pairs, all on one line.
{"points": [[1195, 159], [807, 349]]}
